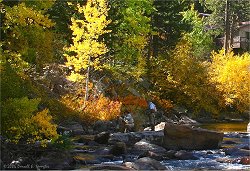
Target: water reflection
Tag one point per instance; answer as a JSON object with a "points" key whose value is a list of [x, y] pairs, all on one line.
{"points": [[226, 127]]}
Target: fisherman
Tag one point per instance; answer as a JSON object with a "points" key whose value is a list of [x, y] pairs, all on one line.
{"points": [[151, 114], [126, 122]]}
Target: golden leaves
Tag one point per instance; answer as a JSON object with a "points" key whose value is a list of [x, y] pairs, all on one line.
{"points": [[97, 108], [86, 33], [231, 75], [22, 16]]}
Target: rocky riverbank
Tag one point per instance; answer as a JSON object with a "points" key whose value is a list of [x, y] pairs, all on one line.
{"points": [[143, 150]]}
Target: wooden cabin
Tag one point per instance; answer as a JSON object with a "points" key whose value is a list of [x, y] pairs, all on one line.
{"points": [[241, 39]]}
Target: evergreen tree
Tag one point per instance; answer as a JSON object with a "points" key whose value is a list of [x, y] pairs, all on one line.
{"points": [[226, 16]]}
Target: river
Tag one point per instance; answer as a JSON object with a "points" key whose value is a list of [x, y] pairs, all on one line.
{"points": [[235, 136], [208, 159], [227, 127]]}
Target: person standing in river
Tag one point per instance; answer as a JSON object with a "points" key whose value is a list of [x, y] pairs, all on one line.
{"points": [[151, 114]]}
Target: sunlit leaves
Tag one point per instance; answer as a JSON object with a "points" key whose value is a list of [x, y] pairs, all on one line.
{"points": [[21, 16], [28, 33], [99, 108], [19, 121], [231, 75], [184, 80], [86, 45]]}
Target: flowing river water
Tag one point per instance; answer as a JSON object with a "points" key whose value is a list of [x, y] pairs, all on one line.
{"points": [[235, 137], [211, 159], [208, 159]]}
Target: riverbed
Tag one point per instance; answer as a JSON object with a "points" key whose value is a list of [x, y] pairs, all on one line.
{"points": [[212, 159]]}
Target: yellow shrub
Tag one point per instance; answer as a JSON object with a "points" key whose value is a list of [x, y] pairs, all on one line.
{"points": [[101, 108], [231, 75], [184, 79], [20, 123], [43, 123]]}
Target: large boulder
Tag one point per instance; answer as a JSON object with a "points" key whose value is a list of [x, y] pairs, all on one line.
{"points": [[184, 137], [128, 138]]}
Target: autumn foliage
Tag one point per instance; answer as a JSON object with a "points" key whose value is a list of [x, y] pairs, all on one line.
{"points": [[133, 100], [107, 56], [163, 103], [103, 108], [22, 122], [99, 108], [231, 75]]}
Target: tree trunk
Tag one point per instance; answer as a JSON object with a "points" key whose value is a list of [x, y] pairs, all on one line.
{"points": [[232, 30], [87, 85], [227, 27]]}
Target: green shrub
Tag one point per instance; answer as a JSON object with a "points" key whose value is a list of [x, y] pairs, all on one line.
{"points": [[22, 122], [63, 142]]}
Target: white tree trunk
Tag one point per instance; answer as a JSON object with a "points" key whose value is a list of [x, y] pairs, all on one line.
{"points": [[87, 85]]}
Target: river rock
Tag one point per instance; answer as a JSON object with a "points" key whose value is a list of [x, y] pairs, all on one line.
{"points": [[119, 148], [170, 154], [110, 167], [183, 137], [145, 163], [248, 127], [155, 137], [71, 128], [187, 121], [104, 126], [245, 160], [160, 126], [102, 138], [184, 155], [56, 161], [145, 145], [226, 160], [237, 152], [152, 155]]}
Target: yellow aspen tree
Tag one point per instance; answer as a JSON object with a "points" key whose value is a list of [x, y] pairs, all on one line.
{"points": [[87, 47]]}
